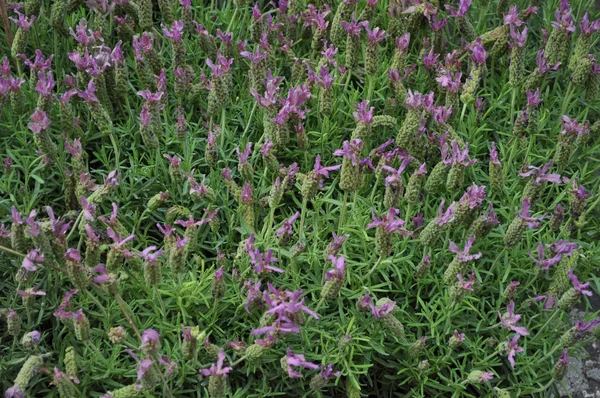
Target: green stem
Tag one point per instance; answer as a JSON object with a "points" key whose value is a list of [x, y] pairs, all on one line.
{"points": [[567, 99], [343, 211], [546, 324], [75, 225], [302, 217], [375, 266]]}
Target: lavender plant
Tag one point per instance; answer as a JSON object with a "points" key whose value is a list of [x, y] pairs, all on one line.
{"points": [[343, 198]]}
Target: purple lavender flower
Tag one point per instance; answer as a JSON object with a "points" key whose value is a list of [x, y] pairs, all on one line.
{"points": [[430, 59], [540, 174], [513, 348], [243, 156], [222, 65], [519, 38], [463, 7], [588, 28], [176, 31], [463, 255], [14, 392], [389, 222], [23, 22], [512, 17], [564, 19], [532, 222], [545, 263], [262, 262], [458, 156], [351, 150], [339, 265], [315, 17], [580, 193], [88, 95], [510, 319], [150, 254], [287, 303], [478, 53], [297, 360], [324, 171], [374, 35], [87, 208], [445, 217], [542, 63], [494, 154], [533, 99], [473, 197], [464, 284], [217, 369], [33, 256], [396, 175], [579, 287], [363, 113], [354, 28], [286, 228], [403, 41], [327, 372], [40, 122]]}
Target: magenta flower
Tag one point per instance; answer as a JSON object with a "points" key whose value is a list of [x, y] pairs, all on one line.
{"points": [[351, 150], [540, 174], [430, 58], [246, 195], [255, 57], [176, 31], [243, 156], [279, 327], [226, 38], [286, 228], [286, 303], [112, 220], [104, 277], [87, 208], [478, 53], [458, 156], [150, 97], [510, 319], [339, 268], [544, 263], [512, 17], [513, 349], [464, 284], [14, 392], [463, 255], [579, 287], [262, 262], [324, 171], [564, 19], [437, 24], [23, 22], [324, 79], [532, 222], [519, 38], [389, 222], [494, 154], [382, 309], [473, 197], [88, 95], [463, 7], [445, 217], [580, 193], [33, 256], [297, 360], [62, 312], [460, 337], [40, 122], [533, 99], [222, 65], [315, 17], [119, 242], [403, 41], [542, 63], [327, 372], [37, 64], [588, 28], [375, 35], [396, 175], [363, 113], [354, 28]]}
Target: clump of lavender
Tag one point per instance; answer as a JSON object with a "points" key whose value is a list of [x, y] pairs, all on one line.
{"points": [[21, 38], [220, 84], [514, 232], [461, 261], [558, 45], [431, 232], [386, 226]]}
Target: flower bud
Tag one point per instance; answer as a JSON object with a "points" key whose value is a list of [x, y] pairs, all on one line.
{"points": [[117, 335]]}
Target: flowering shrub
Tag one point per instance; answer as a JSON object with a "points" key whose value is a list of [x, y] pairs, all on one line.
{"points": [[350, 198]]}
